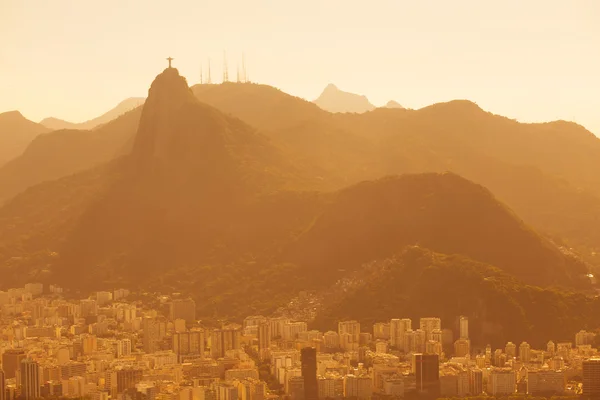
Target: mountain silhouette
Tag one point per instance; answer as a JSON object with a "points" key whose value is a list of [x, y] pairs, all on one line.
{"points": [[488, 149], [262, 106], [330, 151], [177, 131], [337, 101], [64, 152], [416, 281], [121, 108], [547, 173], [16, 132], [456, 136], [201, 199], [184, 191], [393, 104], [442, 212], [339, 157]]}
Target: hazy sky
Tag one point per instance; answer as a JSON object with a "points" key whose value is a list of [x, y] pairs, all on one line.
{"points": [[533, 60]]}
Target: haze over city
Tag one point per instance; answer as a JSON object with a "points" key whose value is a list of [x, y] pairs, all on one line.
{"points": [[351, 200], [526, 60]]}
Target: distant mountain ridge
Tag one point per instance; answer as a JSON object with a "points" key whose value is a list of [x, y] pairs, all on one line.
{"points": [[16, 132], [393, 104], [121, 108], [337, 101], [186, 187], [442, 212], [547, 173], [526, 165], [244, 214], [78, 149]]}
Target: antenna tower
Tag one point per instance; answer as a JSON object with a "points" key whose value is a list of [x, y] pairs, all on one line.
{"points": [[209, 79], [244, 73], [225, 68]]}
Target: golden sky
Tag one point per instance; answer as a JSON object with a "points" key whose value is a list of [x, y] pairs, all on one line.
{"points": [[533, 60]]}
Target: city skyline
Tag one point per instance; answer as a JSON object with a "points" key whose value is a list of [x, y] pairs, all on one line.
{"points": [[138, 346], [358, 201]]}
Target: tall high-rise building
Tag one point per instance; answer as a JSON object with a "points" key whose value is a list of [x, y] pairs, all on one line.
{"points": [[350, 327], [120, 294], [264, 340], [462, 347], [123, 347], [331, 387], [398, 329], [524, 352], [437, 336], [381, 330], [34, 288], [511, 350], [408, 342], [591, 378], [551, 348], [291, 330], [542, 382], [502, 382], [583, 338], [499, 358], [227, 391], [183, 309], [563, 349], [89, 344], [128, 377], [464, 327], [227, 338], [415, 341], [308, 359], [433, 347], [30, 379], [253, 320], [154, 331], [427, 372], [428, 325], [2, 385], [11, 362], [331, 340], [488, 354], [190, 342], [88, 308], [295, 387], [72, 369], [277, 326], [103, 297], [475, 382], [358, 387], [420, 340]]}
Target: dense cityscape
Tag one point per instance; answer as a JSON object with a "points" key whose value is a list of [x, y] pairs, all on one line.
{"points": [[112, 345]]}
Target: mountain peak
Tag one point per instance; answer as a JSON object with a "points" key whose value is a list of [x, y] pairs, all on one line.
{"points": [[112, 114], [170, 87], [12, 116], [192, 144], [393, 104], [331, 87], [159, 125], [16, 132], [335, 100]]}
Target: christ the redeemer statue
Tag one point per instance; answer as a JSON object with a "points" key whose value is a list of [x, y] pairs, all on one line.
{"points": [[169, 59]]}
